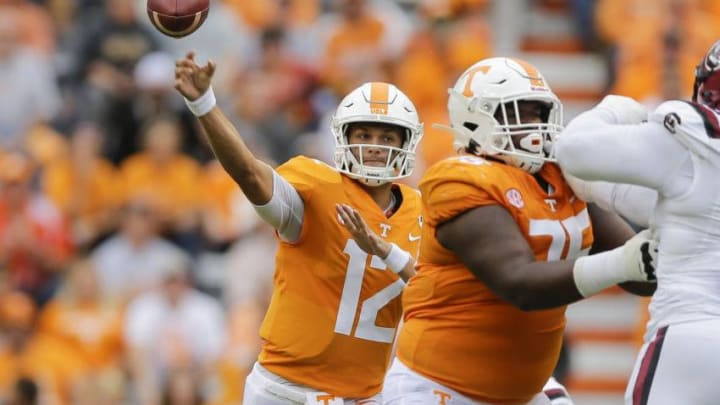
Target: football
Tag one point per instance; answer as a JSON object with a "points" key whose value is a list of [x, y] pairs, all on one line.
{"points": [[177, 18]]}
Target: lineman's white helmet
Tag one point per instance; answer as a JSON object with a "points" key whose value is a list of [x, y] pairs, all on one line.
{"points": [[376, 102], [491, 87]]}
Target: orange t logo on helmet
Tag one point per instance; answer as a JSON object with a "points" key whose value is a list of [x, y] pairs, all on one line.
{"points": [[467, 92], [536, 79], [379, 98]]}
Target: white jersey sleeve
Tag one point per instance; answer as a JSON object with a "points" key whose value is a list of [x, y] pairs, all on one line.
{"points": [[634, 203], [284, 211], [593, 148]]}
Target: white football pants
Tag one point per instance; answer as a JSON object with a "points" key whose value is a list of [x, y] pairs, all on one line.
{"points": [[680, 365], [265, 388], [406, 387]]}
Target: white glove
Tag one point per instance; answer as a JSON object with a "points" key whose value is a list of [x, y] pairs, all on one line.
{"points": [[640, 257], [634, 261], [624, 110], [557, 393]]}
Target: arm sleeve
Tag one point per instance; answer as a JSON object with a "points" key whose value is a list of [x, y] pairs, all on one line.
{"points": [[646, 155], [634, 203], [284, 211]]}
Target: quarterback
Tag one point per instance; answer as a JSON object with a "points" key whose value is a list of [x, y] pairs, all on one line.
{"points": [[661, 169], [347, 237], [504, 250]]}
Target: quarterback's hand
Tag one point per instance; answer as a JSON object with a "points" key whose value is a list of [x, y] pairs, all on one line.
{"points": [[640, 257], [192, 80], [361, 233], [625, 110]]}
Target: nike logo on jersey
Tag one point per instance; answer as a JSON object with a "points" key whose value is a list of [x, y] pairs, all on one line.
{"points": [[413, 238]]}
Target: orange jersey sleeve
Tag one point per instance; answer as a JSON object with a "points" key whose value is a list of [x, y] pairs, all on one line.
{"points": [[452, 318], [332, 318]]}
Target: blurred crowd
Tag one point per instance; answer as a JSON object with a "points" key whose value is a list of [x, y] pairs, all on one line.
{"points": [[132, 269]]}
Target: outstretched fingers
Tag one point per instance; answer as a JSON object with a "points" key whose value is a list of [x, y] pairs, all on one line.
{"points": [[351, 219], [343, 216], [183, 71], [209, 68], [358, 220]]}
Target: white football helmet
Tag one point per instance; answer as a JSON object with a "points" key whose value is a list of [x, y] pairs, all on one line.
{"points": [[376, 102], [491, 87]]}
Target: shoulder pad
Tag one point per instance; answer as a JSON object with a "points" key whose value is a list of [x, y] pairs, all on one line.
{"points": [[691, 118], [457, 184], [692, 124], [476, 171], [306, 174]]}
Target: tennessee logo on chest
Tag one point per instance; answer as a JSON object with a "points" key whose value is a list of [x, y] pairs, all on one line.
{"points": [[553, 228]]}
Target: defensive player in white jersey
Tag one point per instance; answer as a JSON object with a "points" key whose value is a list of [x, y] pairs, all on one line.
{"points": [[662, 170]]}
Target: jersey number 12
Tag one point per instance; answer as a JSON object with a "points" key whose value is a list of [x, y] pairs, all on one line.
{"points": [[369, 308]]}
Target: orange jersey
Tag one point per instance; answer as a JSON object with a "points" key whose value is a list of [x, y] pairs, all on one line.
{"points": [[172, 187], [93, 330], [457, 332], [334, 309]]}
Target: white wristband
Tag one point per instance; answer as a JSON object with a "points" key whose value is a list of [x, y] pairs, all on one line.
{"points": [[203, 104], [396, 259], [597, 272]]}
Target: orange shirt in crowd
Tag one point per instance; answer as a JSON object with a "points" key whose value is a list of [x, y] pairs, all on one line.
{"points": [[87, 193], [262, 14], [54, 366], [172, 187], [644, 66], [92, 329], [353, 49], [27, 352]]}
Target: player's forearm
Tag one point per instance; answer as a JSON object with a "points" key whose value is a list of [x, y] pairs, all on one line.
{"points": [[254, 177], [408, 271], [542, 285], [399, 261]]}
